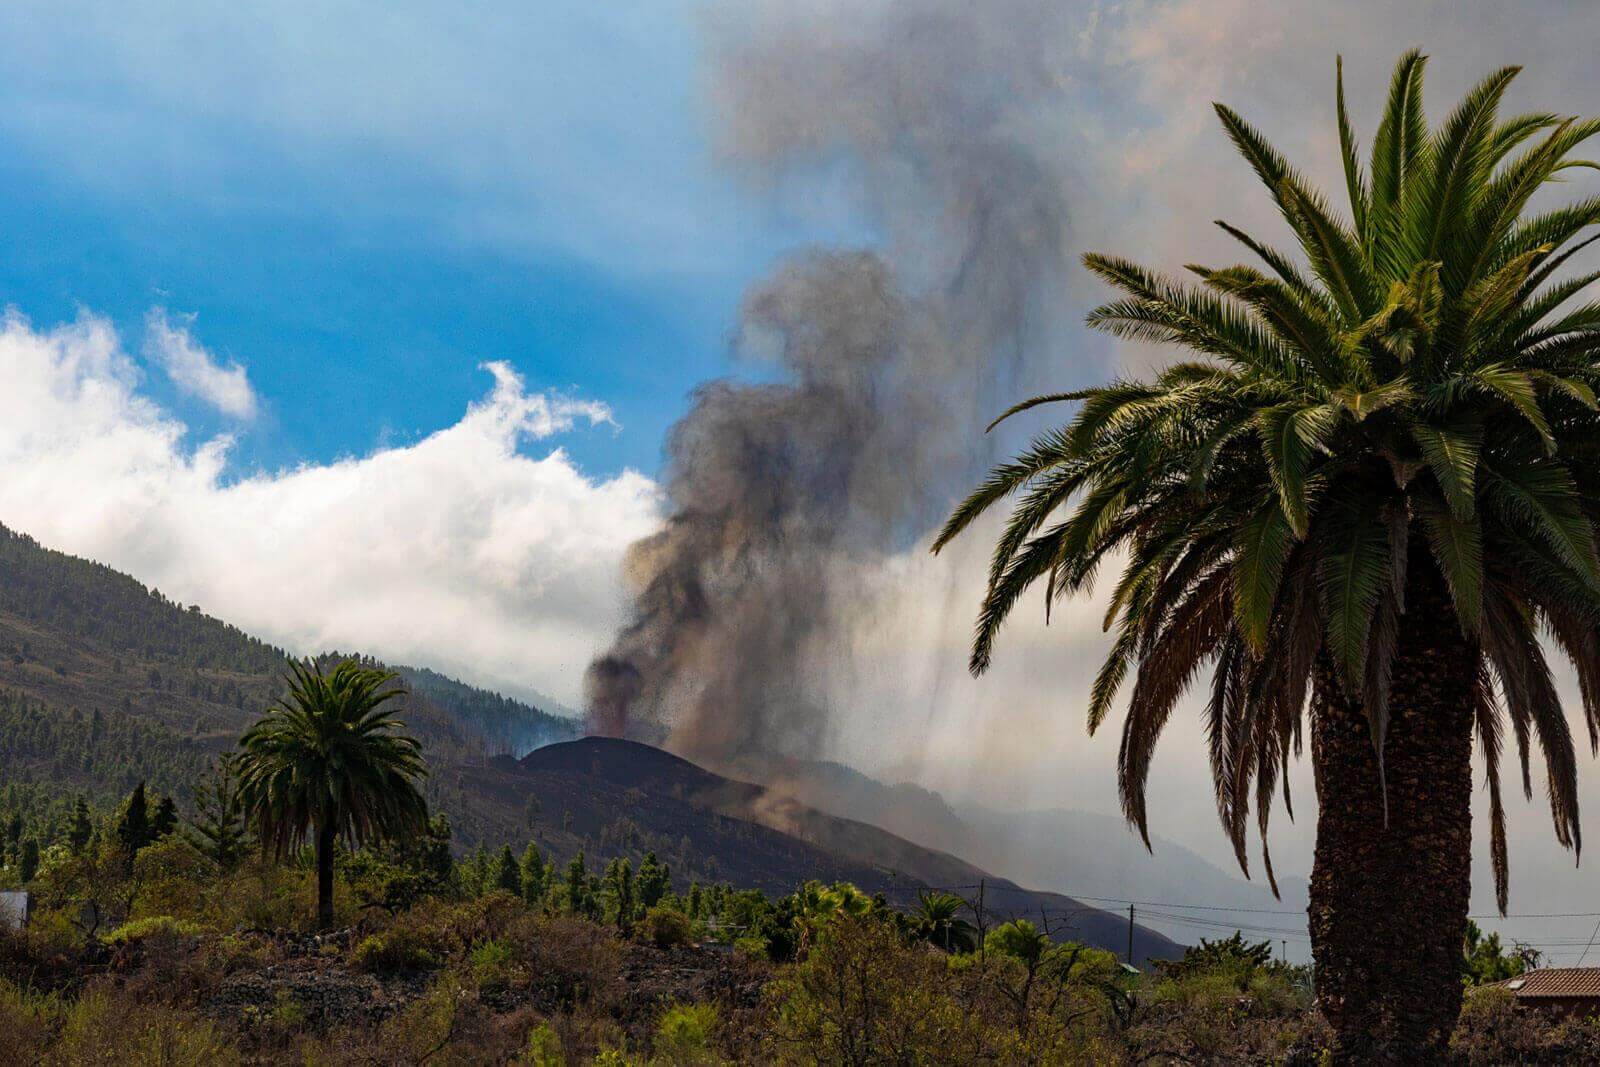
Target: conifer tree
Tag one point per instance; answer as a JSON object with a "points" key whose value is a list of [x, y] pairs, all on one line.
{"points": [[28, 860], [533, 874], [506, 875], [165, 820], [577, 882], [133, 824], [655, 879], [218, 828], [80, 828]]}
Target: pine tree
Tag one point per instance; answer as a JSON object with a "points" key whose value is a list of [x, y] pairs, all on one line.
{"points": [[475, 872], [80, 828], [694, 900], [577, 882], [655, 879], [28, 860], [533, 881], [507, 875], [618, 890], [218, 828], [133, 825], [165, 820]]}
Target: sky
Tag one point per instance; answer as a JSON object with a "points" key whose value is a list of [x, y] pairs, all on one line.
{"points": [[362, 325]]}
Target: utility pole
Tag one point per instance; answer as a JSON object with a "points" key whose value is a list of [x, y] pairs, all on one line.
{"points": [[1130, 935], [983, 933]]}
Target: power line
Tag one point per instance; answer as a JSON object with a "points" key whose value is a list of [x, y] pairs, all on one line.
{"points": [[1590, 945], [1492, 916]]}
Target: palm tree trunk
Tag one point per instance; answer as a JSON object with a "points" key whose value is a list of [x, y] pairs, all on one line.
{"points": [[325, 876], [1389, 897]]}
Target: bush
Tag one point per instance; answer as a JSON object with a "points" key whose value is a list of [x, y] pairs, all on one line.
{"points": [[40, 951], [1492, 1030], [666, 927], [403, 948], [491, 965], [27, 1021], [162, 926], [683, 1036], [543, 1048], [575, 961], [106, 1028]]}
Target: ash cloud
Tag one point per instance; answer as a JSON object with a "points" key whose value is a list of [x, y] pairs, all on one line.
{"points": [[888, 361]]}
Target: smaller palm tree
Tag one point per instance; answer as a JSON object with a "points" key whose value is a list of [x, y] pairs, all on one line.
{"points": [[330, 761], [938, 921]]}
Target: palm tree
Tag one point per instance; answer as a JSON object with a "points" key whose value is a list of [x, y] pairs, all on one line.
{"points": [[329, 761], [938, 920], [1375, 483]]}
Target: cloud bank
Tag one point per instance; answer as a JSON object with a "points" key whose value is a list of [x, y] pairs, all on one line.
{"points": [[459, 551]]}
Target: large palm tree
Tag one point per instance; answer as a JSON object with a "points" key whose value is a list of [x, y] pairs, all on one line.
{"points": [[331, 761], [1376, 484]]}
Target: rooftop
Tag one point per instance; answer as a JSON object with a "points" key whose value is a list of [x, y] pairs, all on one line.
{"points": [[1556, 982]]}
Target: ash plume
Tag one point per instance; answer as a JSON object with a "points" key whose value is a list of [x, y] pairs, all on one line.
{"points": [[933, 115]]}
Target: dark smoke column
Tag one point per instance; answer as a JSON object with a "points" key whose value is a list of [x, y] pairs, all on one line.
{"points": [[892, 359]]}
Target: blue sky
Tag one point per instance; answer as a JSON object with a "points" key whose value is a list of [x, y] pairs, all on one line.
{"points": [[361, 214]]}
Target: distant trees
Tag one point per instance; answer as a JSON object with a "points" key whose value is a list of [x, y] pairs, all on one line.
{"points": [[331, 762]]}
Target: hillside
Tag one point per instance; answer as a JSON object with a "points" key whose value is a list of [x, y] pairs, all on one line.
{"points": [[624, 797], [104, 683]]}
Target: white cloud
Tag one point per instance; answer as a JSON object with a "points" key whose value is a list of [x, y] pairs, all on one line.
{"points": [[459, 551], [194, 370]]}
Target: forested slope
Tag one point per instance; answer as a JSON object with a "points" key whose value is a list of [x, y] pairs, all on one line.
{"points": [[104, 683]]}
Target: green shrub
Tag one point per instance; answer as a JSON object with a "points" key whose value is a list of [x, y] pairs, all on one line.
{"points": [[683, 1036], [152, 926], [543, 1048], [666, 927], [491, 965], [400, 949]]}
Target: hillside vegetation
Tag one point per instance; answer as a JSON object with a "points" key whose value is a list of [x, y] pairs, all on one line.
{"points": [[104, 683]]}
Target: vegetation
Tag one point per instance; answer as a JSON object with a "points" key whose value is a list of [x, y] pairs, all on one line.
{"points": [[330, 762], [181, 944], [1376, 482]]}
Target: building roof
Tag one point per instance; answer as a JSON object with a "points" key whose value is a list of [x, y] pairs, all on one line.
{"points": [[1563, 982]]}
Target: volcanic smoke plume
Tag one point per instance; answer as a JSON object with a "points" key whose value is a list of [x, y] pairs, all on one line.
{"points": [[928, 113]]}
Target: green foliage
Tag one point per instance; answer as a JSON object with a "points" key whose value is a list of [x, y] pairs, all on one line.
{"points": [[330, 761], [683, 1037], [152, 926], [403, 948], [666, 927], [655, 881], [218, 828], [617, 894], [938, 921], [1483, 960], [1232, 956], [533, 875], [491, 964], [133, 822], [507, 875], [543, 1048], [1423, 384], [79, 830]]}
